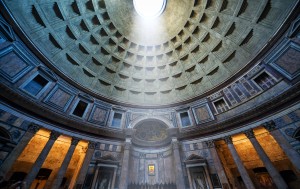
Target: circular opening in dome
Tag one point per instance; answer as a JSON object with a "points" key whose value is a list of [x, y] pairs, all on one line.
{"points": [[149, 8]]}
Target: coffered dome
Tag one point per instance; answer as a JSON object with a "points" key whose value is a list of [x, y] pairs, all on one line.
{"points": [[110, 51]]}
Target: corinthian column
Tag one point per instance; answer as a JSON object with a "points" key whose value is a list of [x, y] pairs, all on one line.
{"points": [[40, 160], [293, 156], [242, 170], [177, 164], [277, 179], [85, 165], [16, 152], [125, 165], [218, 165], [63, 168]]}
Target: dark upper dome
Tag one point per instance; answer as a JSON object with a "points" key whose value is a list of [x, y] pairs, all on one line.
{"points": [[109, 50]]}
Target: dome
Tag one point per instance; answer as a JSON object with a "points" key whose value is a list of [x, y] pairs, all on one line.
{"points": [[135, 94], [108, 50]]}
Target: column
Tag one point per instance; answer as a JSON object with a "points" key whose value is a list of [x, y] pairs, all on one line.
{"points": [[277, 179], [95, 176], [41, 158], [114, 178], [218, 165], [63, 168], [177, 164], [293, 156], [189, 177], [125, 165], [16, 152], [85, 164], [242, 170]]}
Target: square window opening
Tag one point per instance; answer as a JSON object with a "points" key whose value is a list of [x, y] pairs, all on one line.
{"points": [[36, 85], [265, 81], [80, 108], [221, 106], [116, 122], [185, 119]]}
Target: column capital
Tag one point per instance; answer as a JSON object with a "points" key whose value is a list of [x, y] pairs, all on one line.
{"points": [[33, 128], [127, 145], [175, 143], [270, 126], [210, 144], [91, 145], [249, 133], [228, 140], [54, 135], [75, 141]]}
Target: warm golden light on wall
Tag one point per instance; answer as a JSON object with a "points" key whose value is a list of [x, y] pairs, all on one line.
{"points": [[151, 169]]}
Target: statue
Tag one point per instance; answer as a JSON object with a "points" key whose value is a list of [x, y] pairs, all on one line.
{"points": [[103, 184]]}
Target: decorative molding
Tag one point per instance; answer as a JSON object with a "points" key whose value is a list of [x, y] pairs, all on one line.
{"points": [[286, 59], [92, 145], [202, 113], [51, 100], [270, 126], [127, 146], [33, 128], [210, 144], [48, 73], [17, 63], [6, 30]]}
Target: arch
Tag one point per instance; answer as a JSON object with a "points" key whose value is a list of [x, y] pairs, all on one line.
{"points": [[138, 120]]}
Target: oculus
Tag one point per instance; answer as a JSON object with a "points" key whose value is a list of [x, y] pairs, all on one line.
{"points": [[149, 8]]}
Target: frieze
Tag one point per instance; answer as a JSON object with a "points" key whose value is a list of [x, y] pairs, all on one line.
{"points": [[263, 109], [215, 95], [254, 71]]}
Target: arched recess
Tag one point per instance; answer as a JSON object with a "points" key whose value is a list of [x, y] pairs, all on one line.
{"points": [[152, 132], [103, 172], [136, 121], [198, 173]]}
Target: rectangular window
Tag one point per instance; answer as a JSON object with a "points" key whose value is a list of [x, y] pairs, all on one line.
{"points": [[265, 81], [185, 119], [80, 108], [221, 106], [116, 122], [36, 85]]}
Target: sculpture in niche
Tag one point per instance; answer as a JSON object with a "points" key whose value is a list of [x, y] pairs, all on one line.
{"points": [[199, 181]]}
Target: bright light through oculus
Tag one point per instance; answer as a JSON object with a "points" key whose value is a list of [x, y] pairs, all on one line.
{"points": [[149, 8]]}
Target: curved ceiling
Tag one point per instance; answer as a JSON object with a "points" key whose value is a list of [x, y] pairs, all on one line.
{"points": [[192, 47]]}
